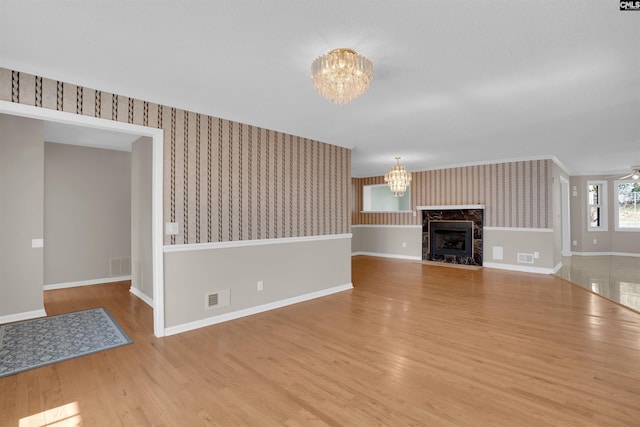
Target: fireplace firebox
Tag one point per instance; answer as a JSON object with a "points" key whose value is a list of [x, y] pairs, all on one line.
{"points": [[451, 238]]}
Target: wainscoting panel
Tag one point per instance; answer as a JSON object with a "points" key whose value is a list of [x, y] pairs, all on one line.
{"points": [[287, 270]]}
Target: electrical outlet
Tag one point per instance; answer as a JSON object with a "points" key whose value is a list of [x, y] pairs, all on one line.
{"points": [[595, 241], [404, 244], [536, 255], [260, 285], [575, 243]]}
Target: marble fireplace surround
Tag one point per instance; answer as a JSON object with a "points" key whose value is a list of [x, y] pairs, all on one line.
{"points": [[473, 213]]}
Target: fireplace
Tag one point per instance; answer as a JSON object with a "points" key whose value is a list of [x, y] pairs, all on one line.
{"points": [[451, 238], [452, 234]]}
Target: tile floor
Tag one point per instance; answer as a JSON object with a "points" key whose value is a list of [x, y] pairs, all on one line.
{"points": [[614, 277]]}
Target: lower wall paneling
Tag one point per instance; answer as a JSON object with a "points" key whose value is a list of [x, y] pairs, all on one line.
{"points": [[501, 245], [388, 240], [291, 270]]}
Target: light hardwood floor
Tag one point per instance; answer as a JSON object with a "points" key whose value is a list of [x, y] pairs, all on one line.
{"points": [[411, 344]]}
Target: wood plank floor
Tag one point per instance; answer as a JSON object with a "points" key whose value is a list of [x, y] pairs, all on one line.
{"points": [[411, 344]]}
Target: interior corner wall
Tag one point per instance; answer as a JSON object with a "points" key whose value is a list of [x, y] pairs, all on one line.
{"points": [[21, 214], [141, 215], [556, 208], [224, 181], [87, 213], [519, 212]]}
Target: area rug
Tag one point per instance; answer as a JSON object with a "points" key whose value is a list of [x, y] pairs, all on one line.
{"points": [[37, 342]]}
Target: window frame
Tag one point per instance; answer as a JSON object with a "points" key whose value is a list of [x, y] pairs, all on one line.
{"points": [[604, 219], [616, 207]]}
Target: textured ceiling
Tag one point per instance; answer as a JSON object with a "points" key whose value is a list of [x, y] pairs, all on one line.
{"points": [[455, 82]]}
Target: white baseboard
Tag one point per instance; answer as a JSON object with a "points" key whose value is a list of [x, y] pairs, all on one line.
{"points": [[522, 268], [557, 268], [85, 283], [253, 310], [605, 254], [411, 257], [22, 316], [137, 292], [512, 267]]}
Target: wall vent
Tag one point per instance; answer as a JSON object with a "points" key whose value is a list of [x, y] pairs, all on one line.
{"points": [[525, 258], [119, 267], [212, 300], [217, 299]]}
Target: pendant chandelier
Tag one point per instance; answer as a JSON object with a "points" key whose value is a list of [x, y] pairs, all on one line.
{"points": [[398, 179], [341, 75]]}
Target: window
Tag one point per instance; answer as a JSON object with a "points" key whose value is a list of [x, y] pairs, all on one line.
{"points": [[379, 198], [627, 205], [597, 205]]}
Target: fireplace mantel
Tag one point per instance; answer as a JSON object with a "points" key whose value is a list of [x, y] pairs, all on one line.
{"points": [[448, 207]]}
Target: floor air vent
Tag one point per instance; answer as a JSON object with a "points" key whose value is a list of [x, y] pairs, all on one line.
{"points": [[217, 299]]}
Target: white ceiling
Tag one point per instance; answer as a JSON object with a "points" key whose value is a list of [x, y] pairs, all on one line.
{"points": [[455, 82], [63, 133]]}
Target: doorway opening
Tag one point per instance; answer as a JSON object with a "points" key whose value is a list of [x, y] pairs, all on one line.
{"points": [[156, 135]]}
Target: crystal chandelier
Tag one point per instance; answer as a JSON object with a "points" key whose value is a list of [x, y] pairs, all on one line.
{"points": [[398, 179], [341, 75]]}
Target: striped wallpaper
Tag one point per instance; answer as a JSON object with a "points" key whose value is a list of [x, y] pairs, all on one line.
{"points": [[223, 180], [516, 194]]}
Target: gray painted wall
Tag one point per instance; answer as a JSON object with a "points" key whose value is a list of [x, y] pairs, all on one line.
{"points": [[287, 269], [21, 207], [514, 241], [87, 213], [556, 206], [388, 241], [141, 236], [610, 241]]}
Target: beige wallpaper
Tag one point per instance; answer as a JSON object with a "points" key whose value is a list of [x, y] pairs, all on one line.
{"points": [[223, 180], [516, 194]]}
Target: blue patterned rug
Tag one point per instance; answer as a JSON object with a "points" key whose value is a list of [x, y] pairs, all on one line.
{"points": [[37, 342]]}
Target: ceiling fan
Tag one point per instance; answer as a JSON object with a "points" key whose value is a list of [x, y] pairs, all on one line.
{"points": [[635, 174]]}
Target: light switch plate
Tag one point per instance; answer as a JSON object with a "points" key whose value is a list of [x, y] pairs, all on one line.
{"points": [[172, 228], [37, 243]]}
